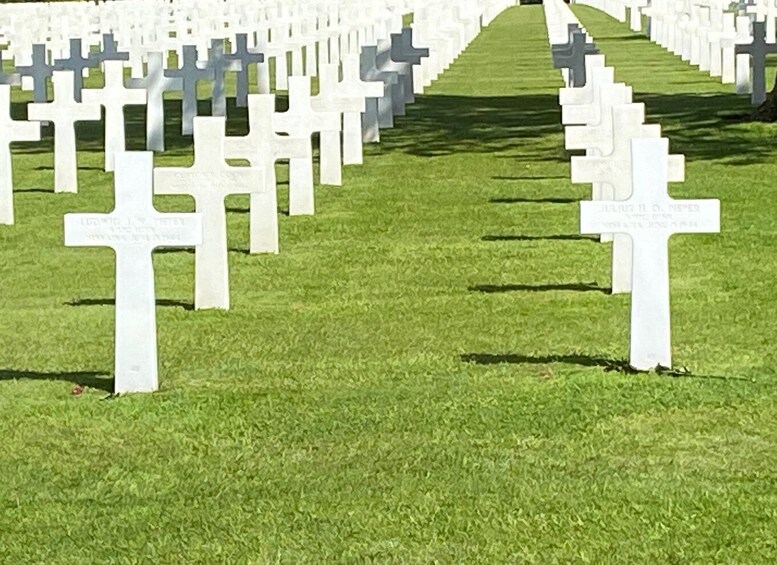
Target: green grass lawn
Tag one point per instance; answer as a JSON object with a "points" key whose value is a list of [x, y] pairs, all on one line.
{"points": [[422, 374]]}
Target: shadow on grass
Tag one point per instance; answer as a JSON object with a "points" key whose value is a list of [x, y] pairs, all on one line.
{"points": [[438, 125], [80, 168], [89, 379], [519, 200], [546, 177], [91, 135], [708, 127], [572, 359], [164, 302], [172, 250], [35, 190], [552, 237], [243, 251], [574, 287], [583, 360]]}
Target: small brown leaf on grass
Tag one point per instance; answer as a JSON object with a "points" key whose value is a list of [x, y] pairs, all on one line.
{"points": [[77, 391]]}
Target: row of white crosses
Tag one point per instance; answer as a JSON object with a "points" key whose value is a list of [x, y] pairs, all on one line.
{"points": [[134, 228], [311, 31], [627, 162], [344, 96], [729, 45]]}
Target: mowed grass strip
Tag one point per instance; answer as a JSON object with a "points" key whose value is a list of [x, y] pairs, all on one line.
{"points": [[420, 375]]}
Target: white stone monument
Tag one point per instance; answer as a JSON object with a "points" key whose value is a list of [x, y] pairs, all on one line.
{"points": [[262, 147], [331, 99], [209, 181], [219, 65], [133, 230], [114, 96], [353, 136], [10, 131], [650, 217], [191, 74], [39, 71], [247, 57], [614, 168], [757, 50], [302, 121], [77, 63], [64, 112], [156, 84]]}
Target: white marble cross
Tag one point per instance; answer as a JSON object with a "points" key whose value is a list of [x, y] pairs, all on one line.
{"points": [[353, 85], [403, 51], [302, 121], [64, 112], [10, 131], [757, 50], [191, 75], [601, 90], [39, 71], [650, 217], [262, 147], [78, 64], [614, 168], [584, 95], [210, 180], [572, 56], [380, 112], [133, 230], [114, 96], [331, 99], [597, 116], [109, 51], [385, 63], [156, 84], [219, 65], [247, 57]]}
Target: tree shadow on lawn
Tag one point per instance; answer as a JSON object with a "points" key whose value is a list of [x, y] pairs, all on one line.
{"points": [[89, 379], [438, 125], [709, 127], [701, 126], [90, 135]]}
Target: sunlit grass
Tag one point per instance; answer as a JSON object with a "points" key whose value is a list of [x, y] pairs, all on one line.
{"points": [[420, 375]]}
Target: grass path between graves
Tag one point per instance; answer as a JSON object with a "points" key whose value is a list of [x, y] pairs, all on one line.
{"points": [[420, 376]]}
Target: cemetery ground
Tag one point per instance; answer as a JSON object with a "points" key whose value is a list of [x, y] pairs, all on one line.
{"points": [[431, 370]]}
